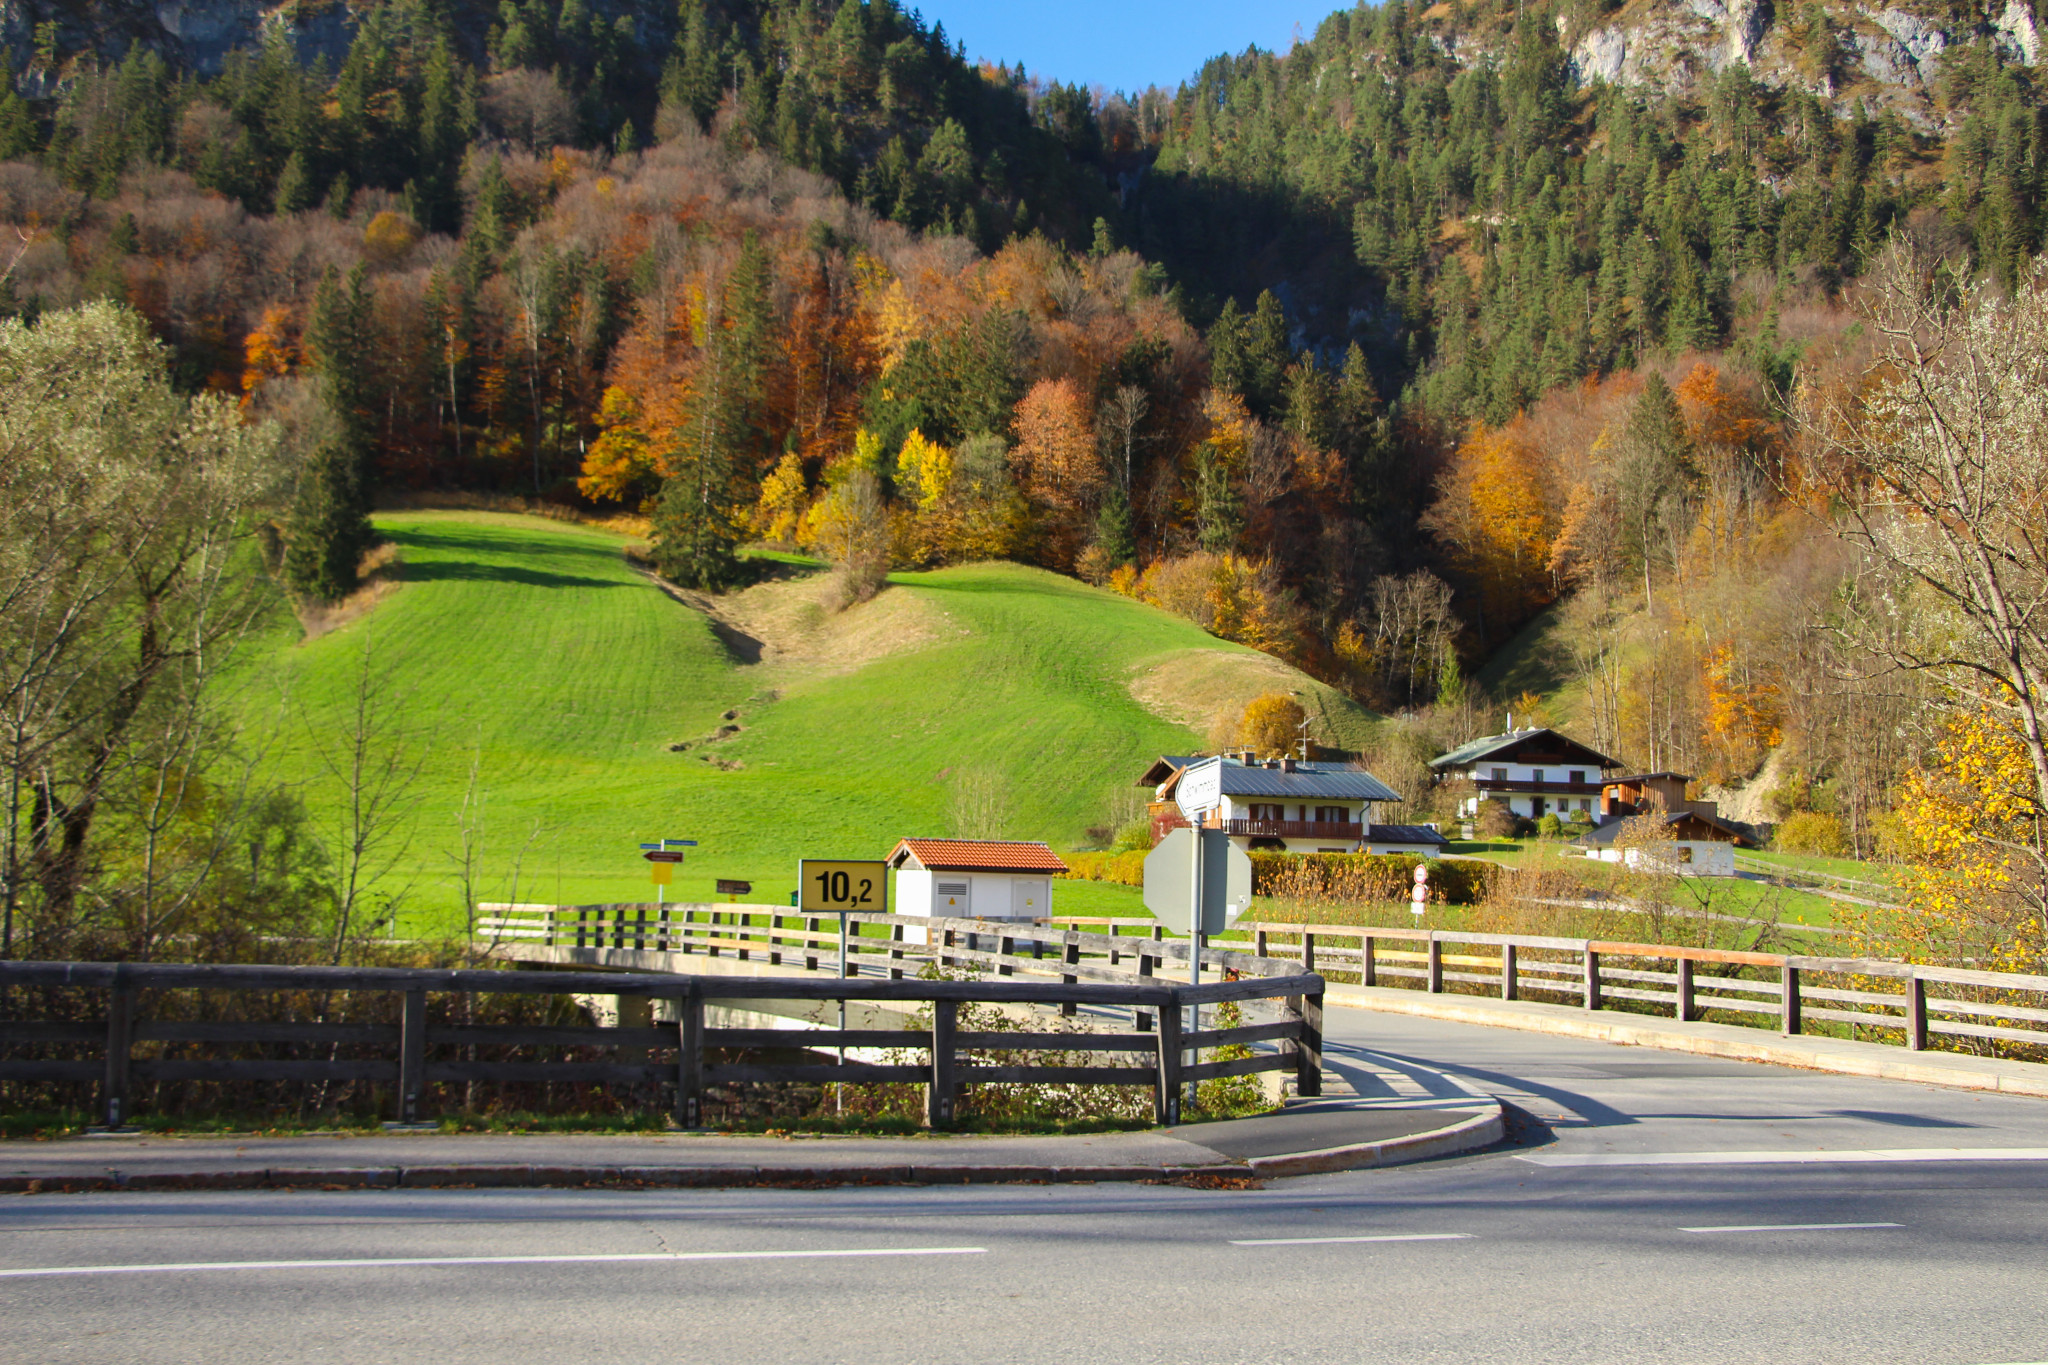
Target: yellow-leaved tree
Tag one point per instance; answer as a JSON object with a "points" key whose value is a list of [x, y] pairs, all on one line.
{"points": [[1968, 832], [1272, 725]]}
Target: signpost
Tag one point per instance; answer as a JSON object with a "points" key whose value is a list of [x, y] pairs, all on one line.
{"points": [[1196, 880], [842, 887], [664, 856], [734, 889], [1419, 896]]}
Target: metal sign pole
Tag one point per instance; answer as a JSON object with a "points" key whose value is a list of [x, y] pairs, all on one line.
{"points": [[839, 1091], [1194, 1054]]}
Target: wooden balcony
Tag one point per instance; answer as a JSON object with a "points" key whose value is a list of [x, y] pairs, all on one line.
{"points": [[1295, 829], [1514, 787]]}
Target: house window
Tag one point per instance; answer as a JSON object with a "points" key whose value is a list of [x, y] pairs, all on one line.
{"points": [[1333, 815], [1268, 812], [1578, 778], [1585, 804], [1684, 853], [1499, 775], [1536, 774]]}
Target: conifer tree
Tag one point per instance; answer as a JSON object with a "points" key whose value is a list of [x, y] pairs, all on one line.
{"points": [[330, 521]]}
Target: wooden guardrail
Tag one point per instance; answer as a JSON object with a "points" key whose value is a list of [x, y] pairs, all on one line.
{"points": [[1910, 999], [403, 1045]]}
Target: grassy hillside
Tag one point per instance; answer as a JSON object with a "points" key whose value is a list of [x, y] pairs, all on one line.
{"points": [[532, 651]]}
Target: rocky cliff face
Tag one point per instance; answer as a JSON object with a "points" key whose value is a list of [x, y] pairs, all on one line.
{"points": [[1888, 58]]}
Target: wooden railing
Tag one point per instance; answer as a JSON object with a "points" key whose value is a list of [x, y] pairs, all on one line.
{"points": [[1916, 1002], [1295, 829], [138, 1039]]}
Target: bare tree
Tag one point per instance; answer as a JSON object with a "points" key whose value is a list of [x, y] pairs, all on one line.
{"points": [[373, 767], [1943, 468], [1118, 424]]}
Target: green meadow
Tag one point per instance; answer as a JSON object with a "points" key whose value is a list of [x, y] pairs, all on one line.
{"points": [[524, 668]]}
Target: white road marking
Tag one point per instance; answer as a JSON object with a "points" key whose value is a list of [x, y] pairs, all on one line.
{"points": [[1789, 1158], [1320, 1241], [1792, 1227], [486, 1260]]}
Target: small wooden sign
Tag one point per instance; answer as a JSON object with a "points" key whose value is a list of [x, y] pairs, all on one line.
{"points": [[727, 888]]}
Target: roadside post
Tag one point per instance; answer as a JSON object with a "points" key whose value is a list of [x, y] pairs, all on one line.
{"points": [[842, 887], [1418, 895], [664, 856], [1196, 880]]}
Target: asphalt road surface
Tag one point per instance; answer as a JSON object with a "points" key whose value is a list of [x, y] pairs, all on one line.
{"points": [[1650, 1207]]}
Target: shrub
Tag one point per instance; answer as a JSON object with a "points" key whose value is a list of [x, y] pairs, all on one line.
{"points": [[1550, 827], [1810, 831], [1495, 820], [1366, 876], [1134, 836]]}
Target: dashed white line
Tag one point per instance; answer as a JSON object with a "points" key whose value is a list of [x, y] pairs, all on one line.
{"points": [[1320, 1241], [1792, 1227], [386, 1261]]}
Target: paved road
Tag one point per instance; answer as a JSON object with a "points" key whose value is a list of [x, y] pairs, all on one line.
{"points": [[1711, 1256]]}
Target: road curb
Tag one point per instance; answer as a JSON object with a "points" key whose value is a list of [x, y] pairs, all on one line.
{"points": [[620, 1177], [1838, 1056], [1467, 1135]]}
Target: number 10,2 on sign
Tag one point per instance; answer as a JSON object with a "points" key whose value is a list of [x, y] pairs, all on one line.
{"points": [[844, 887]]}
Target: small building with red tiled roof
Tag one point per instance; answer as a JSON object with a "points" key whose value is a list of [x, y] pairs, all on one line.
{"points": [[974, 878]]}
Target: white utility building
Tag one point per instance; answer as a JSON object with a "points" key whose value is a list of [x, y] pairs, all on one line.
{"points": [[974, 879]]}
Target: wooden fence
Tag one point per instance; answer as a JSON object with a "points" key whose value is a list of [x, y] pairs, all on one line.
{"points": [[132, 1044], [1894, 1001], [1914, 1002]]}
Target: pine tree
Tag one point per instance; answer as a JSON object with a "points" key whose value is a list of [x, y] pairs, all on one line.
{"points": [[330, 521], [1113, 527]]}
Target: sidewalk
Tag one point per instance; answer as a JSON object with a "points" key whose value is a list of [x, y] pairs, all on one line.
{"points": [[1347, 1131], [1879, 1060]]}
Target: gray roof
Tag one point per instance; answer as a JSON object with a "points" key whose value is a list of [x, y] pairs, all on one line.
{"points": [[1308, 780], [1478, 749], [1404, 834], [1601, 836]]}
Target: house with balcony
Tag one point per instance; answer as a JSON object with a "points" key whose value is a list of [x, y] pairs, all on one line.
{"points": [[1536, 772], [1288, 805], [1690, 839]]}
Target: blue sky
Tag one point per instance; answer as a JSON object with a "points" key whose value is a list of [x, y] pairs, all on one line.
{"points": [[1121, 44]]}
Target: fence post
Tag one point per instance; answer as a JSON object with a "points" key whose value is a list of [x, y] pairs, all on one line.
{"points": [[1368, 974], [1685, 990], [947, 940], [412, 1055], [811, 944], [1166, 1100], [1308, 1056], [1141, 1019], [120, 1039], [1259, 944], [1592, 980], [1916, 1013], [640, 930], [1070, 957], [1790, 980], [1509, 987], [896, 951], [1436, 965], [938, 1099], [1308, 951], [690, 1058], [1005, 945]]}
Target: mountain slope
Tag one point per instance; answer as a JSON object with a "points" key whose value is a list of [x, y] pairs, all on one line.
{"points": [[536, 652]]}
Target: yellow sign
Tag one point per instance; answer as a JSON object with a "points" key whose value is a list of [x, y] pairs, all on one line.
{"points": [[840, 887], [661, 873]]}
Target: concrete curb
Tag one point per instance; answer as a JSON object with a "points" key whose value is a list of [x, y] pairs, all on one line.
{"points": [[1469, 1133], [1839, 1056], [1480, 1130], [617, 1177]]}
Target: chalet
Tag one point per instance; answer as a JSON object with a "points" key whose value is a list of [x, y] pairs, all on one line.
{"points": [[1692, 841], [1290, 805], [1535, 772], [974, 878]]}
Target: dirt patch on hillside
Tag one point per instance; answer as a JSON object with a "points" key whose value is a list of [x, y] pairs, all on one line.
{"points": [[785, 624], [381, 573], [1206, 689]]}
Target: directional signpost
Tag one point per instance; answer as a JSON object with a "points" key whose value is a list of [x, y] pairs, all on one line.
{"points": [[1196, 880], [664, 856]]}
